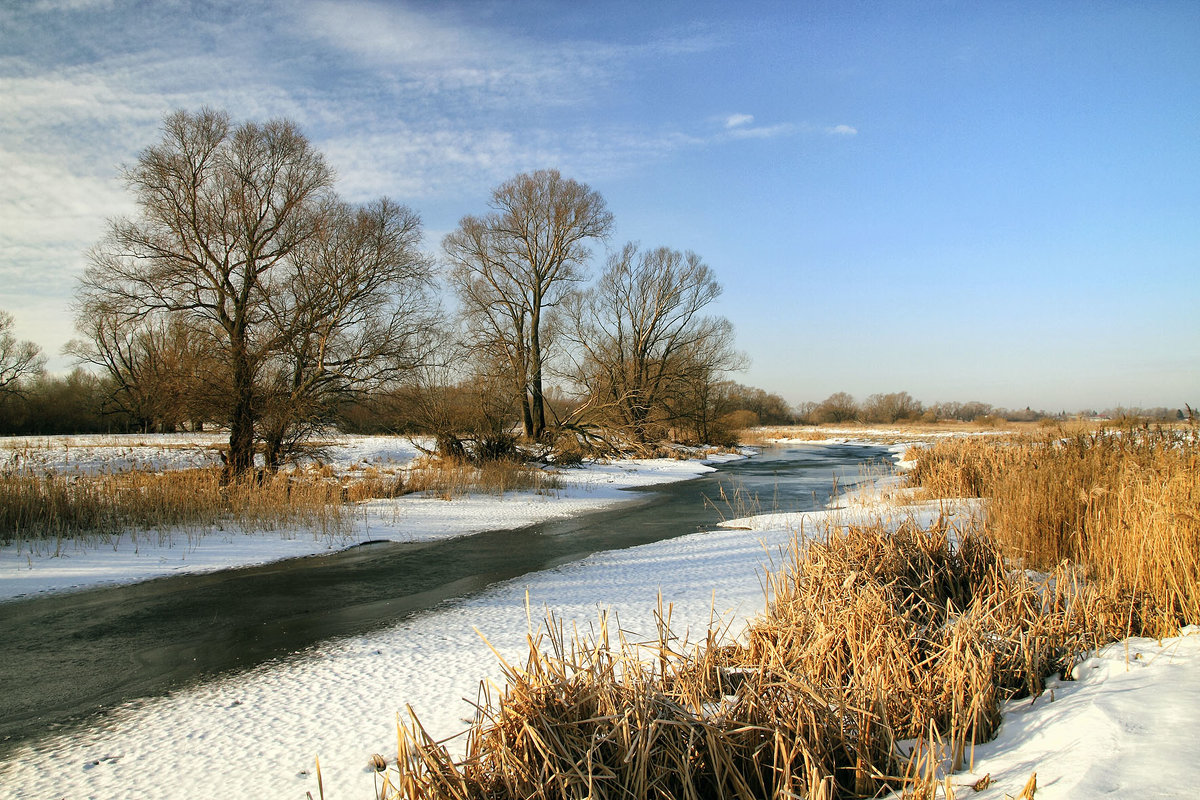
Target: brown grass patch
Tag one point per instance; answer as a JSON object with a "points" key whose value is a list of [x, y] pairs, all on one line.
{"points": [[447, 478], [1123, 504], [873, 640], [57, 506]]}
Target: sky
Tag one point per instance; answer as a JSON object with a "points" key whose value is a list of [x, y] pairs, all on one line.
{"points": [[993, 201]]}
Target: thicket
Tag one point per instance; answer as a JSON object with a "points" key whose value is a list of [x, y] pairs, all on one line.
{"points": [[49, 405]]}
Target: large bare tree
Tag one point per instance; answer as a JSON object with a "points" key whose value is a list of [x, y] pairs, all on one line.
{"points": [[357, 312], [239, 234], [514, 265], [645, 349], [19, 359]]}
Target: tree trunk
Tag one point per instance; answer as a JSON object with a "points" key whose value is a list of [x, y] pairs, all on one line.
{"points": [[537, 405], [272, 449], [526, 414], [241, 424], [536, 399]]}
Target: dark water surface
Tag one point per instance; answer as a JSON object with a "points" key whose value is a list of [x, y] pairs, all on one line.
{"points": [[65, 657]]}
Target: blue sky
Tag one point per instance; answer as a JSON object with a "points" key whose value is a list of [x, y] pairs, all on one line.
{"points": [[962, 200]]}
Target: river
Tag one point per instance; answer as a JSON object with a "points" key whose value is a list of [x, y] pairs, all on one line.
{"points": [[68, 657]]}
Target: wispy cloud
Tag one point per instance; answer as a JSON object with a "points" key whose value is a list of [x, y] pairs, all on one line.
{"points": [[741, 126], [842, 130], [56, 6], [411, 103], [455, 62], [763, 131]]}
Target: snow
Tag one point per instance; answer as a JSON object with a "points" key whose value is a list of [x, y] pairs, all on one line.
{"points": [[258, 734], [1125, 728], [31, 567]]}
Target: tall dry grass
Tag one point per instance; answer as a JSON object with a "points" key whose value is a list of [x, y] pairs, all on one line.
{"points": [[47, 505], [1123, 504], [447, 478], [57, 506], [883, 657]]}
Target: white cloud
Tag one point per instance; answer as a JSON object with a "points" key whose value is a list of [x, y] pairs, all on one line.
{"points": [[738, 120], [416, 105], [58, 6], [762, 131], [455, 60], [842, 130]]}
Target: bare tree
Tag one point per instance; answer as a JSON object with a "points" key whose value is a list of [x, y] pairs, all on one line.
{"points": [[838, 407], [644, 346], [154, 366], [357, 311], [238, 234], [891, 407], [19, 360], [704, 368], [512, 266]]}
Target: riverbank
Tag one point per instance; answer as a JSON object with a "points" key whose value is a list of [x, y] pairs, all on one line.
{"points": [[257, 734], [28, 568]]}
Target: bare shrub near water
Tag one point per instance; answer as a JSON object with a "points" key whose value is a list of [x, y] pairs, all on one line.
{"points": [[447, 478], [1123, 504], [871, 638]]}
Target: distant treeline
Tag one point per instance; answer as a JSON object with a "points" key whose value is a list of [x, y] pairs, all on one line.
{"points": [[901, 407], [82, 402]]}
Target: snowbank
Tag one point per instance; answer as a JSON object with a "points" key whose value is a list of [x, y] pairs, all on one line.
{"points": [[28, 568], [1125, 728]]}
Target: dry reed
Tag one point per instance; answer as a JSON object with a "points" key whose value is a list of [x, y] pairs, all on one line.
{"points": [[107, 505], [1123, 504], [48, 505], [447, 478], [883, 656]]}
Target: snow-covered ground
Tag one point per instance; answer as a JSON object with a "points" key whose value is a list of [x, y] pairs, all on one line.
{"points": [[28, 568], [1125, 728]]}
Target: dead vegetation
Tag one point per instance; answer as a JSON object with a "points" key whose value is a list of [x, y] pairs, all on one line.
{"points": [[883, 657], [1122, 504], [58, 506], [878, 649], [48, 505], [449, 478]]}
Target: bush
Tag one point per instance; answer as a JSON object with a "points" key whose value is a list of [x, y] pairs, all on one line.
{"points": [[496, 447]]}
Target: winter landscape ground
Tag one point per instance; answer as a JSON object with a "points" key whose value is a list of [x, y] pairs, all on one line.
{"points": [[1124, 728]]}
